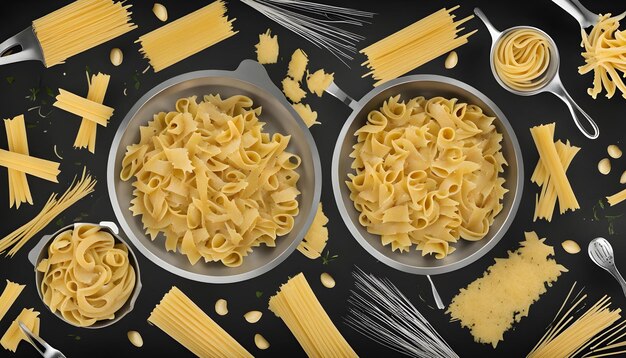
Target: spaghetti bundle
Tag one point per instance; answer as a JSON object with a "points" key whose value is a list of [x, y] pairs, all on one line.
{"points": [[414, 45], [54, 206], [80, 26], [19, 191], [183, 320], [305, 317], [605, 49], [86, 137], [187, 36], [596, 331]]}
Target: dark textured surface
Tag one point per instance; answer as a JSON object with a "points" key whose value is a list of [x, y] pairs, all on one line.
{"points": [[60, 128]]}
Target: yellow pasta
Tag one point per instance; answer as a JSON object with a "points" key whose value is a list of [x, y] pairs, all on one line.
{"points": [[87, 276], [267, 48], [546, 199], [80, 26], [14, 335], [315, 239], [305, 317], [605, 48], [617, 198], [415, 45], [490, 305], [41, 168], [11, 291], [183, 320], [427, 173], [211, 180], [19, 191], [53, 207], [86, 137], [598, 331], [522, 58], [83, 107], [292, 90], [308, 115], [186, 36], [318, 81], [554, 168], [297, 65]]}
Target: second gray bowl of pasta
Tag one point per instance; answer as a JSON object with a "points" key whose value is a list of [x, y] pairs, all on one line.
{"points": [[86, 274]]}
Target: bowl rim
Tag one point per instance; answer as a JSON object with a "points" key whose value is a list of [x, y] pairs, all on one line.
{"points": [[352, 226], [249, 72], [39, 252]]}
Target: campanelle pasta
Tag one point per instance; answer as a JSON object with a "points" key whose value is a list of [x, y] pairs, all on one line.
{"points": [[427, 173], [522, 58], [211, 180], [87, 276]]}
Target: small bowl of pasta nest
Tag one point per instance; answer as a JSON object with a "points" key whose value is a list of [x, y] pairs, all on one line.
{"points": [[86, 274]]}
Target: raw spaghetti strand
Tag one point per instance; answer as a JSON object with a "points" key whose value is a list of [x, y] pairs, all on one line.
{"points": [[53, 207], [80, 26], [414, 45], [187, 36]]}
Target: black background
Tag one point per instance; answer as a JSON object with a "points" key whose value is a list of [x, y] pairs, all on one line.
{"points": [[523, 112]]}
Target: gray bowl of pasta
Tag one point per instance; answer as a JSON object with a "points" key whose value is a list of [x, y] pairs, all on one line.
{"points": [[213, 176], [437, 170], [86, 274]]}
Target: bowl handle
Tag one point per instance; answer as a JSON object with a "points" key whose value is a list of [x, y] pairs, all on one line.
{"points": [[253, 72], [33, 255], [338, 93]]}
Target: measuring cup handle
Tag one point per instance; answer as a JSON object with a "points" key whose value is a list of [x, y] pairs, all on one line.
{"points": [[584, 17], [492, 29], [560, 92]]}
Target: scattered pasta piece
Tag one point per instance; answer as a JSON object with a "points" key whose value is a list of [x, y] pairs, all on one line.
{"points": [[315, 239], [9, 295], [415, 45], [14, 335], [604, 166], [159, 11], [297, 65], [292, 90], [253, 316], [622, 178], [135, 338], [554, 159], [86, 137], [260, 342], [64, 286], [327, 280], [221, 307], [604, 51], [186, 36], [427, 173], [570, 246], [116, 56], [451, 60], [617, 198], [53, 207], [503, 295], [185, 322], [319, 81], [209, 178], [309, 116], [595, 332], [41, 168], [19, 191], [296, 304], [84, 107], [614, 151], [79, 26], [267, 49]]}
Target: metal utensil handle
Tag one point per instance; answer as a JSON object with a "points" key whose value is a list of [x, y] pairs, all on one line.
{"points": [[33, 255], [338, 93], [615, 272], [495, 34], [584, 17], [436, 296], [30, 48], [560, 91]]}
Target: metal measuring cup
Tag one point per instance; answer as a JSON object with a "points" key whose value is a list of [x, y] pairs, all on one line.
{"points": [[551, 82]]}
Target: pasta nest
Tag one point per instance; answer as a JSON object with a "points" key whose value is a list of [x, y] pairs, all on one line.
{"points": [[427, 173], [87, 277], [210, 179]]}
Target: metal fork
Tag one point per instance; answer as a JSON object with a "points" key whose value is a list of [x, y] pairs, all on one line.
{"points": [[40, 345]]}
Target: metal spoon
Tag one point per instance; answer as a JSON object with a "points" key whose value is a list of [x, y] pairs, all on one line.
{"points": [[551, 81], [601, 252], [584, 17]]}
